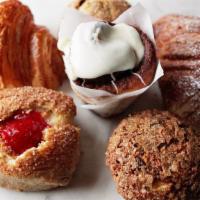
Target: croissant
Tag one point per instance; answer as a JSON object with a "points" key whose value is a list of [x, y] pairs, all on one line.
{"points": [[178, 47], [28, 53]]}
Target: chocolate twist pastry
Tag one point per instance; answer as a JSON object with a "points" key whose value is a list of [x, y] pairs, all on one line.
{"points": [[178, 47], [28, 53]]}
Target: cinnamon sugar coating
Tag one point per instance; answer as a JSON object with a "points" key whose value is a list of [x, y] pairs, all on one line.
{"points": [[107, 10], [178, 47], [54, 161], [154, 156], [28, 53]]}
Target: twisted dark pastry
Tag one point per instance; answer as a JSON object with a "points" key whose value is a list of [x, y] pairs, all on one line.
{"points": [[178, 47]]}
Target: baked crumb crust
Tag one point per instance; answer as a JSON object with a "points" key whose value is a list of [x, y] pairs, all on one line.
{"points": [[153, 155], [53, 162]]}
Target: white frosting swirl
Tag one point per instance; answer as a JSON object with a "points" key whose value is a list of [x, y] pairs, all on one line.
{"points": [[98, 49]]}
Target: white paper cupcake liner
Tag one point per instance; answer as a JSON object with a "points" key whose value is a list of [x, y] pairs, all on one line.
{"points": [[100, 101]]}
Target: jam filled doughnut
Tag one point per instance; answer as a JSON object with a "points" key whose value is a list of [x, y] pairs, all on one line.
{"points": [[39, 145]]}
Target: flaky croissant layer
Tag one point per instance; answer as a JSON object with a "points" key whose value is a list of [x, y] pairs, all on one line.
{"points": [[28, 53]]}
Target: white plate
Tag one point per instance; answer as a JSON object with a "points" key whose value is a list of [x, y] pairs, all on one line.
{"points": [[93, 180]]}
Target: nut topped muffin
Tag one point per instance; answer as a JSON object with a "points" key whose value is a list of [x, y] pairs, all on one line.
{"points": [[154, 156], [107, 10]]}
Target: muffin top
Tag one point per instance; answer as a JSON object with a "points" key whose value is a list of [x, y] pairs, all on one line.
{"points": [[107, 10]]}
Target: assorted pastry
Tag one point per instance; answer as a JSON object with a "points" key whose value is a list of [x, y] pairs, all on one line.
{"points": [[152, 155], [28, 53], [178, 47], [39, 144]]}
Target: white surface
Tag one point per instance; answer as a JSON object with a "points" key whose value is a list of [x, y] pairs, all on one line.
{"points": [[92, 180]]}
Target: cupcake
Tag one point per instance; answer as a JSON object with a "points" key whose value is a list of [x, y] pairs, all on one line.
{"points": [[39, 144], [109, 64], [153, 155], [99, 61]]}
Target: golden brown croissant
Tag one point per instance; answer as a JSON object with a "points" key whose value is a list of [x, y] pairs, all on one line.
{"points": [[178, 47], [28, 53]]}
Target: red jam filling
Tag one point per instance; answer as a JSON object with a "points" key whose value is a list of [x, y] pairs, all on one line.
{"points": [[23, 131]]}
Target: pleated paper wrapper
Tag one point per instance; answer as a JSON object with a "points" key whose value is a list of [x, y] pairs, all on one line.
{"points": [[102, 102]]}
